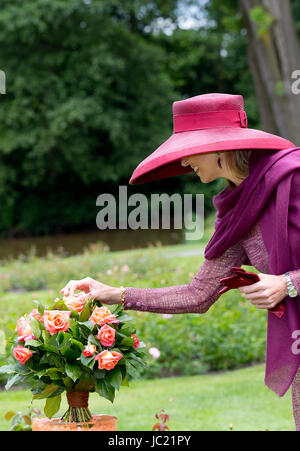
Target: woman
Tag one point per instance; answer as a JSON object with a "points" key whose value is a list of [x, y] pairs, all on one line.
{"points": [[257, 223]]}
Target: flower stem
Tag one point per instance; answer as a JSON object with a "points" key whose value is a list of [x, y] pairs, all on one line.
{"points": [[77, 415]]}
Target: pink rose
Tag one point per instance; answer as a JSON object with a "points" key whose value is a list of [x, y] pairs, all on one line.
{"points": [[106, 335], [56, 320], [89, 350], [24, 330], [136, 343], [107, 360], [76, 301], [22, 354], [102, 315], [154, 352], [35, 314]]}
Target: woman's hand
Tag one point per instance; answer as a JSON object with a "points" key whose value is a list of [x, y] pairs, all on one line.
{"points": [[267, 292], [99, 291]]}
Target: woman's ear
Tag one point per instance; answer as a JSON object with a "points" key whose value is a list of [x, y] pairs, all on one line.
{"points": [[184, 162]]}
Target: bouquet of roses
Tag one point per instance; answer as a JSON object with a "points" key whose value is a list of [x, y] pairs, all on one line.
{"points": [[76, 345]]}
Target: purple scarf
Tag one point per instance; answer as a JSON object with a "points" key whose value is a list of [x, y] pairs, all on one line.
{"points": [[270, 194]]}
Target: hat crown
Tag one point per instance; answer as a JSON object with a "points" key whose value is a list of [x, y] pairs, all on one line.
{"points": [[208, 103]]}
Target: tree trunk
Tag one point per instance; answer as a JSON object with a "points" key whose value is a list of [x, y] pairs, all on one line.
{"points": [[274, 54]]}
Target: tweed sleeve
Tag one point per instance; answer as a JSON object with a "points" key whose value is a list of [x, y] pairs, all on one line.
{"points": [[194, 297]]}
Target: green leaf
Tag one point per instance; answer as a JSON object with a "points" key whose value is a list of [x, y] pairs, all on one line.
{"points": [[54, 360], [53, 373], [125, 382], [8, 369], [105, 389], [131, 370], [99, 374], [47, 392], [76, 330], [114, 377], [59, 305], [77, 343], [128, 341], [52, 406], [36, 327], [85, 313], [126, 330], [33, 343], [71, 354], [137, 359], [123, 318], [46, 336], [60, 337], [38, 387], [74, 314], [87, 361], [120, 334], [40, 307], [68, 383], [115, 311], [73, 371], [85, 383], [14, 379], [92, 340], [88, 325], [41, 373], [16, 420]]}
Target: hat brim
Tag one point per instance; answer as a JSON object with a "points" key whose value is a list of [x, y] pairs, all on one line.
{"points": [[164, 162]]}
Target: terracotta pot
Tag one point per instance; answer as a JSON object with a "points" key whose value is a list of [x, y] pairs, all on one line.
{"points": [[78, 410], [97, 423]]}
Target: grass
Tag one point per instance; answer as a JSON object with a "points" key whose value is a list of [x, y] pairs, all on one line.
{"points": [[231, 332], [145, 266], [196, 403]]}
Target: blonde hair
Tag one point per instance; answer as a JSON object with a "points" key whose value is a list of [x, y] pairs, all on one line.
{"points": [[238, 162]]}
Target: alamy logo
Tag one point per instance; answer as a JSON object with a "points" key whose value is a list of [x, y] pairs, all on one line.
{"points": [[295, 346], [296, 83], [145, 216], [2, 82]]}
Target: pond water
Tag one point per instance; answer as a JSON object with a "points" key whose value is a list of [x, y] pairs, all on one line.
{"points": [[75, 243]]}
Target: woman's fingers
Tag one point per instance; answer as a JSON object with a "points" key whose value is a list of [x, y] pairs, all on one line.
{"points": [[263, 303], [66, 288], [74, 285]]}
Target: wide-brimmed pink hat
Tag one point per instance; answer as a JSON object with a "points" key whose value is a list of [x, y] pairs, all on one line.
{"points": [[202, 124]]}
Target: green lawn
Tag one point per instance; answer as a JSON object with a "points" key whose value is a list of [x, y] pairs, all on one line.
{"points": [[206, 402], [234, 334]]}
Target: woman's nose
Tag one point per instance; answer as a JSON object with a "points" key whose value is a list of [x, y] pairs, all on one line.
{"points": [[184, 162]]}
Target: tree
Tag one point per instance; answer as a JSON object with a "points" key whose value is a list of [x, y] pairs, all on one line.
{"points": [[274, 56], [87, 97]]}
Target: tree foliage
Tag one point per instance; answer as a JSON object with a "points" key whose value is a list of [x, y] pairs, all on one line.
{"points": [[87, 97], [89, 92]]}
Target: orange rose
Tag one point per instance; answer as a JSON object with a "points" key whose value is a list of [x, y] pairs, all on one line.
{"points": [[136, 343], [76, 301], [89, 350], [24, 330], [22, 354], [56, 320], [102, 315], [106, 335], [107, 360]]}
